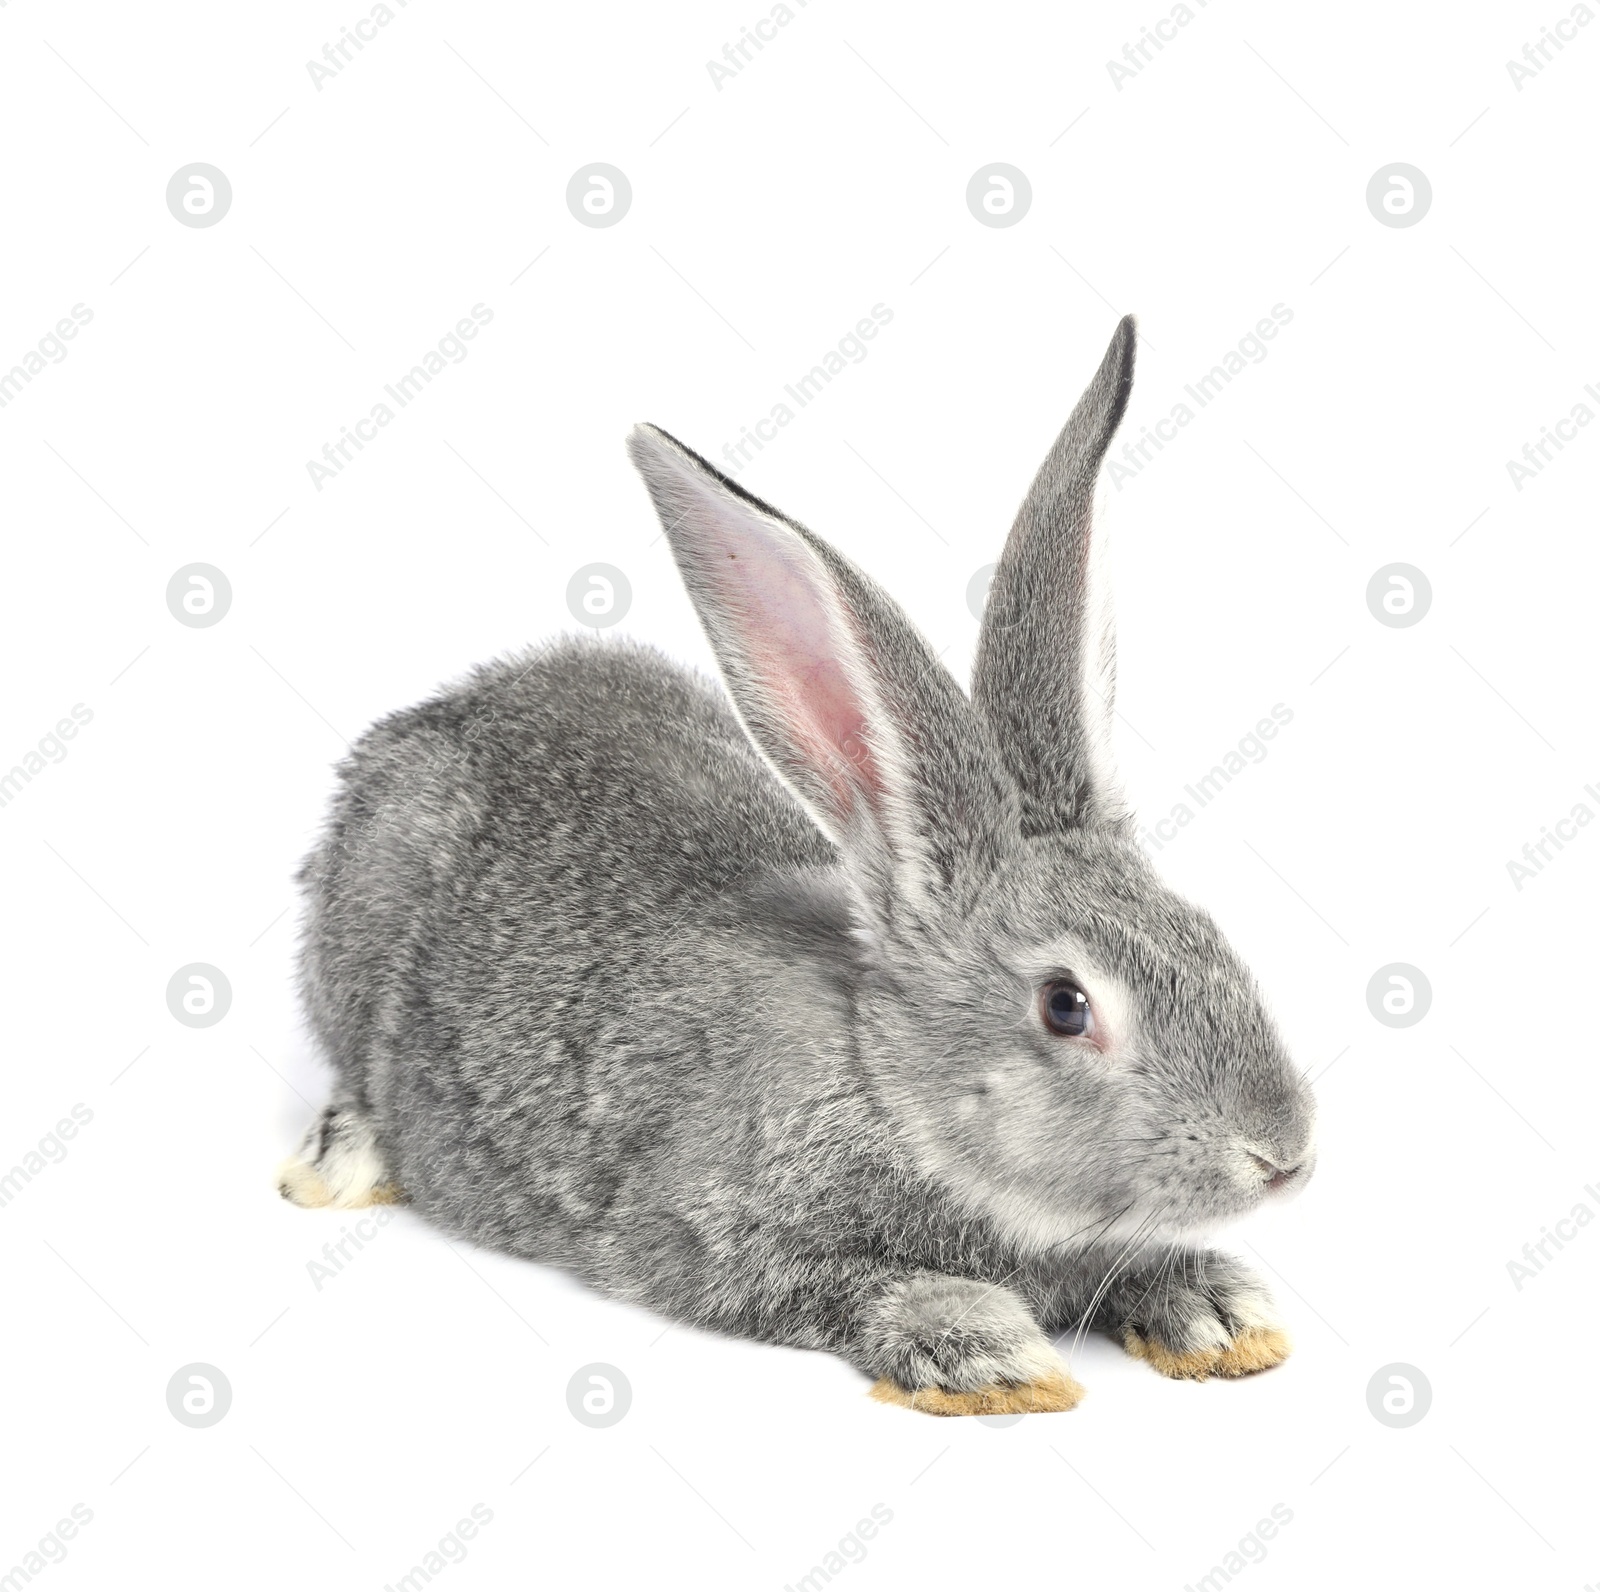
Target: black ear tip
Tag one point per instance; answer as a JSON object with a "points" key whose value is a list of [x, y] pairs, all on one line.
{"points": [[651, 445], [1117, 366]]}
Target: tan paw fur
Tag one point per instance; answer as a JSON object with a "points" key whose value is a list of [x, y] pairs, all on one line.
{"points": [[301, 1184], [1048, 1394], [1255, 1349]]}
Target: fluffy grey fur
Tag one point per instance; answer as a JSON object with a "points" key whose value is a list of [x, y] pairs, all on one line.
{"points": [[732, 1007]]}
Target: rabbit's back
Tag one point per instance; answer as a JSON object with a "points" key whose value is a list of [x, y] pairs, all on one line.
{"points": [[499, 863]]}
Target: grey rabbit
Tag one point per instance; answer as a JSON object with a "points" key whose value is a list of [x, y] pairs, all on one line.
{"points": [[836, 1008]]}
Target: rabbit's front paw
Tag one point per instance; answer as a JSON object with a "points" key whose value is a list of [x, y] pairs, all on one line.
{"points": [[953, 1346], [1201, 1315]]}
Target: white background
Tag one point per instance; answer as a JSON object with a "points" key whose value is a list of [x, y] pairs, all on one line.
{"points": [[1227, 176]]}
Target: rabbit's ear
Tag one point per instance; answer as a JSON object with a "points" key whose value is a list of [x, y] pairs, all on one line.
{"points": [[1045, 673], [833, 683]]}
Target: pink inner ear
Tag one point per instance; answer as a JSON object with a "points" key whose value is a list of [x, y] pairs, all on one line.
{"points": [[791, 631]]}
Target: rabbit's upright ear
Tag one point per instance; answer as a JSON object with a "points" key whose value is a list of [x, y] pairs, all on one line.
{"points": [[1045, 674], [833, 683]]}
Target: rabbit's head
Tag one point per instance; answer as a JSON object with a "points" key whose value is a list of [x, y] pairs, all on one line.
{"points": [[1059, 1039]]}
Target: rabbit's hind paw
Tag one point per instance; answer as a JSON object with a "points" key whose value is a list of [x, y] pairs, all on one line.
{"points": [[338, 1164]]}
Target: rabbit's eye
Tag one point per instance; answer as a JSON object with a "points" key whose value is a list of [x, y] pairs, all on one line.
{"points": [[1066, 1009]]}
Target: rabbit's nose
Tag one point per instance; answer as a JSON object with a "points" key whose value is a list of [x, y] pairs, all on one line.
{"points": [[1277, 1176]]}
